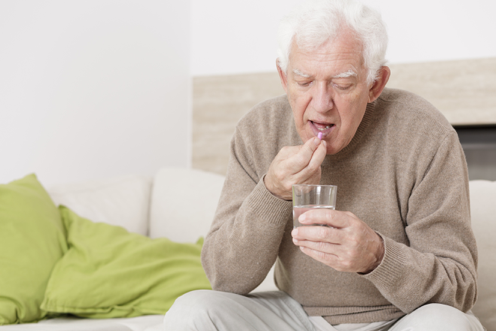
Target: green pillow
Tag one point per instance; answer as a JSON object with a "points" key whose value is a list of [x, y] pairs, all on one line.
{"points": [[32, 240], [108, 272]]}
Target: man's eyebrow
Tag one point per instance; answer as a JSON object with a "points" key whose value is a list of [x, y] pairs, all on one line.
{"points": [[299, 73], [349, 73]]}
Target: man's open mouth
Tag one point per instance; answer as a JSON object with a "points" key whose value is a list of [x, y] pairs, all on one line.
{"points": [[321, 127]]}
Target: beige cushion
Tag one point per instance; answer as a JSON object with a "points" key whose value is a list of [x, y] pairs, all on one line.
{"points": [[183, 203], [483, 209], [122, 201]]}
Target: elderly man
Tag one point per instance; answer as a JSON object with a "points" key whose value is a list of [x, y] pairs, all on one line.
{"points": [[398, 253]]}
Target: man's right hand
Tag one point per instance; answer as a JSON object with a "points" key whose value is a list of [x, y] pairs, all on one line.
{"points": [[295, 165]]}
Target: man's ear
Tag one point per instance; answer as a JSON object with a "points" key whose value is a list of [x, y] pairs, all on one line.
{"points": [[381, 81], [283, 77]]}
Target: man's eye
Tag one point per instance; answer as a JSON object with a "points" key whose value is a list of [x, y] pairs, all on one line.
{"points": [[304, 83], [342, 87]]}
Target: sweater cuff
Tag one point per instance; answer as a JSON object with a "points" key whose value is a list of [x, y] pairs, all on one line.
{"points": [[265, 206], [388, 273]]}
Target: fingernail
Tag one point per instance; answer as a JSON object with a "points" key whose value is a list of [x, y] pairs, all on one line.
{"points": [[294, 232], [303, 217]]}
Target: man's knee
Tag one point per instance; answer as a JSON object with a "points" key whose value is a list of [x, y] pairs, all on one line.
{"points": [[435, 317], [196, 308]]}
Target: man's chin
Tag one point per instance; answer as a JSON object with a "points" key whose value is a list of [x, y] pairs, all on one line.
{"points": [[333, 148]]}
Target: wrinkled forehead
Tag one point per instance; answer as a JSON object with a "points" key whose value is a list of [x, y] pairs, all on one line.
{"points": [[341, 57], [344, 74]]}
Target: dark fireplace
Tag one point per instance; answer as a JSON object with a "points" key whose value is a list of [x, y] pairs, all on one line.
{"points": [[479, 144]]}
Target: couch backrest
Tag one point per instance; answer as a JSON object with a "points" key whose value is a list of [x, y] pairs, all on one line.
{"points": [[483, 210], [183, 203], [123, 201]]}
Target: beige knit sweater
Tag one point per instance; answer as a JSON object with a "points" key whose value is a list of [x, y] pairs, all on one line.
{"points": [[404, 174]]}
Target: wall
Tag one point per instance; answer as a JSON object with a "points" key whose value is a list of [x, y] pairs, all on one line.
{"points": [[91, 89], [234, 36]]}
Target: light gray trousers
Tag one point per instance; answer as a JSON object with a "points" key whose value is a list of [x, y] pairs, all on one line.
{"points": [[276, 311]]}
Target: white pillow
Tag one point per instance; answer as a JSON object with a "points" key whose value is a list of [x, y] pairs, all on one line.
{"points": [[122, 201], [183, 203], [483, 210]]}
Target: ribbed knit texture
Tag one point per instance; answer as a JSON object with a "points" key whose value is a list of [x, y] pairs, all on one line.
{"points": [[404, 174]]}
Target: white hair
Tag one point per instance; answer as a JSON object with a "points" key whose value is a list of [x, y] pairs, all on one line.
{"points": [[316, 21]]}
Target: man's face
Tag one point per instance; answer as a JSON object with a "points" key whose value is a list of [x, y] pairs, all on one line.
{"points": [[327, 90]]}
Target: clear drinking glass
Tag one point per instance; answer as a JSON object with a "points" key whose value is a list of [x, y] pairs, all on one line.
{"points": [[306, 197]]}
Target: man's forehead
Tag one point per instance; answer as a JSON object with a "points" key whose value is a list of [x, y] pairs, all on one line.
{"points": [[339, 57], [344, 74]]}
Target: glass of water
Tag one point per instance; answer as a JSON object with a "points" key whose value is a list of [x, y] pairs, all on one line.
{"points": [[307, 197]]}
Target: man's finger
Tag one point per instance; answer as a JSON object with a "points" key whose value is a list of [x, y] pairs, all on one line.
{"points": [[333, 218], [300, 160], [332, 260], [322, 246], [318, 234], [315, 162]]}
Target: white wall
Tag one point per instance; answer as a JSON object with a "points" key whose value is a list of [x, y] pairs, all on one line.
{"points": [[94, 88], [235, 36]]}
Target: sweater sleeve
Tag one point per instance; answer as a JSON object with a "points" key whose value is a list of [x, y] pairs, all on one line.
{"points": [[439, 265], [243, 242]]}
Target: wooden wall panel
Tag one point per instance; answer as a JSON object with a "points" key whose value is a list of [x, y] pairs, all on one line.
{"points": [[219, 102], [465, 91]]}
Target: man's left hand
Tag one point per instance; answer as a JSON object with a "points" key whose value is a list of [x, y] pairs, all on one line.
{"points": [[346, 243]]}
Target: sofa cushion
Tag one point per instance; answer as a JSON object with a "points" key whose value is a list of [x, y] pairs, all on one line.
{"points": [[183, 207], [483, 210], [183, 203], [32, 240], [108, 272], [122, 201]]}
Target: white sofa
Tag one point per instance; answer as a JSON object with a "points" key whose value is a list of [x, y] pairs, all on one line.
{"points": [[180, 203]]}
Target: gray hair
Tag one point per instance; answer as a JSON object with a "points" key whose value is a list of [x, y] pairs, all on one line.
{"points": [[314, 22]]}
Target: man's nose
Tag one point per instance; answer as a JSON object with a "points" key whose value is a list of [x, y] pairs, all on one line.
{"points": [[322, 98]]}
